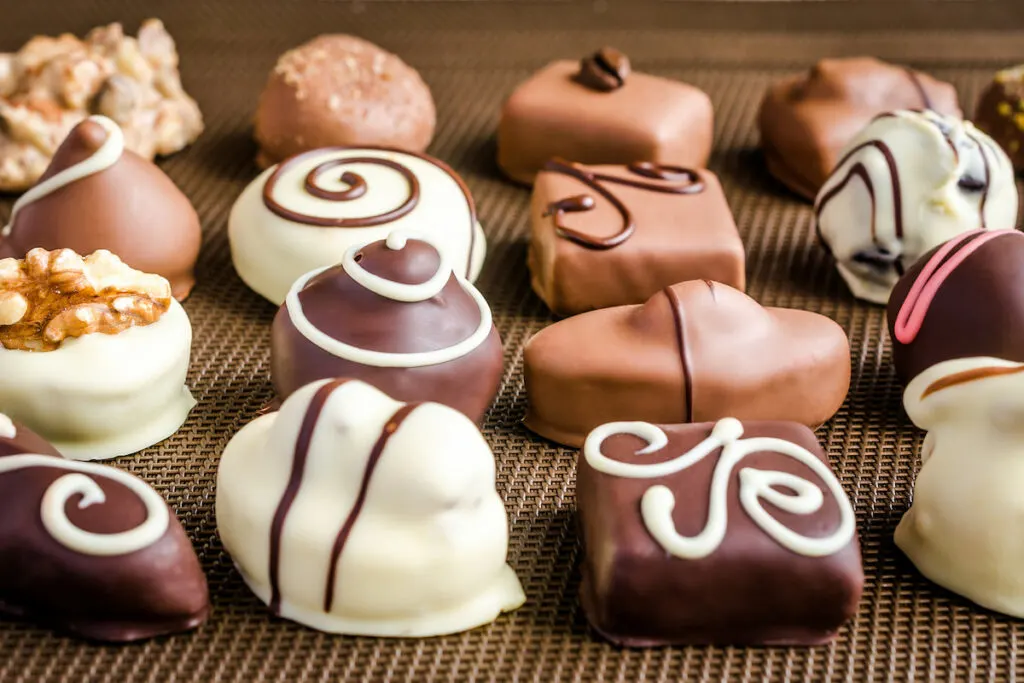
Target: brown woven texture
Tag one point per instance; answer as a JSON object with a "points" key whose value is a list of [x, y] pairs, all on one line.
{"points": [[472, 55]]}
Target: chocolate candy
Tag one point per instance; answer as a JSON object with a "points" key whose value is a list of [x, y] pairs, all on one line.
{"points": [[395, 315], [961, 300], [694, 535], [341, 90], [98, 195], [16, 438], [694, 352], [890, 198], [304, 213], [599, 111], [806, 121], [612, 235], [957, 324], [1000, 112], [93, 354], [351, 512], [115, 565]]}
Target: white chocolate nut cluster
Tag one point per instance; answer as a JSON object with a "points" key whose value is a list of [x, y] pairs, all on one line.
{"points": [[51, 84], [52, 295]]}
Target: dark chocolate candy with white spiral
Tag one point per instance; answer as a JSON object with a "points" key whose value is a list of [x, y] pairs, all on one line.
{"points": [[734, 533], [91, 549], [396, 316], [16, 438], [961, 300]]}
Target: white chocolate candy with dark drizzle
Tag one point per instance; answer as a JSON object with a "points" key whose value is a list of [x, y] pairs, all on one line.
{"points": [[307, 211], [353, 513], [907, 183]]}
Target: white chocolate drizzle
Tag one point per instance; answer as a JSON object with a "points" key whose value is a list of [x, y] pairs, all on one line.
{"points": [[7, 428], [104, 157], [396, 291], [80, 481], [658, 501]]}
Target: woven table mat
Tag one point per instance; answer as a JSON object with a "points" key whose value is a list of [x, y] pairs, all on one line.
{"points": [[472, 54]]}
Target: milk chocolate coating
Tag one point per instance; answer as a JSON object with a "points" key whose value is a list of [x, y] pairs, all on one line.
{"points": [[646, 119], [749, 591], [806, 121], [339, 90], [131, 209], [977, 311], [1000, 113], [25, 441], [677, 237], [694, 352], [342, 308]]}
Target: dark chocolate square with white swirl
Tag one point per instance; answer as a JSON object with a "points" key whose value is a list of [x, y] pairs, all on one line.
{"points": [[716, 533], [607, 236]]}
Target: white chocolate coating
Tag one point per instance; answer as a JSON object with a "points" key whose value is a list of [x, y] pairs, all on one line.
{"points": [[100, 396], [932, 154], [658, 502], [271, 252], [963, 529], [426, 552]]}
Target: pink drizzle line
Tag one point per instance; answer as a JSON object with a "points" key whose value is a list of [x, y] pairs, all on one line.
{"points": [[926, 286]]}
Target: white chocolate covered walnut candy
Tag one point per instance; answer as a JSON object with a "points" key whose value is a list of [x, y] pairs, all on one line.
{"points": [[51, 295]]}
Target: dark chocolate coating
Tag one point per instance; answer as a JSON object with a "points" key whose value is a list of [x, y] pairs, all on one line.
{"points": [[977, 311], [806, 121], [749, 591], [1000, 113], [158, 590], [695, 351], [342, 308], [131, 209], [26, 441]]}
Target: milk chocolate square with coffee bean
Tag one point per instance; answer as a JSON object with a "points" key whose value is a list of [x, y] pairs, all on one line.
{"points": [[728, 532], [599, 111], [613, 235]]}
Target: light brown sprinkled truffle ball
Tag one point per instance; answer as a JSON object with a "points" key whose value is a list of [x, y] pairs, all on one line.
{"points": [[342, 90]]}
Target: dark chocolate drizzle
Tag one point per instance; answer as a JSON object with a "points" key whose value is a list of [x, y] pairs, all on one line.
{"points": [[968, 376], [357, 187], [302, 442], [985, 185], [919, 86], [390, 428], [679, 319], [689, 182], [858, 170]]}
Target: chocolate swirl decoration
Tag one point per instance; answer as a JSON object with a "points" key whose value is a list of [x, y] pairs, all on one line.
{"points": [[81, 481], [687, 181], [356, 187], [755, 485]]}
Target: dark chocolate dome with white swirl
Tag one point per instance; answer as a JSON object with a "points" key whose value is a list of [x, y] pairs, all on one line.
{"points": [[395, 315], [308, 210]]}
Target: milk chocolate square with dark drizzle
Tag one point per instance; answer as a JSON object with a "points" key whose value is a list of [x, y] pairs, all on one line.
{"points": [[731, 533], [598, 110], [614, 235]]}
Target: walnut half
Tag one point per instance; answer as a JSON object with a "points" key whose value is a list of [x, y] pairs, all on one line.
{"points": [[52, 295]]}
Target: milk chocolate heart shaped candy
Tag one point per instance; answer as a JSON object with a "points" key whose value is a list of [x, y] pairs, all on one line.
{"points": [[91, 549], [695, 352]]}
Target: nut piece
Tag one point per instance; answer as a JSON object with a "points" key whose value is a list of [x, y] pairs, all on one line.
{"points": [[52, 295], [52, 84]]}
